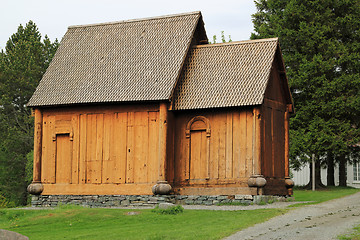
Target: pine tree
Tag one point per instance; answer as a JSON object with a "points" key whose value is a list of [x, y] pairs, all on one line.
{"points": [[22, 65], [320, 44]]}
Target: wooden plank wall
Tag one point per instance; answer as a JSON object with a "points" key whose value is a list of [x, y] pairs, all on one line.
{"points": [[273, 136], [100, 146], [231, 150]]}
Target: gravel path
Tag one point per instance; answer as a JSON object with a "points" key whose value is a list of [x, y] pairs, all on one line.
{"points": [[238, 207], [321, 221]]}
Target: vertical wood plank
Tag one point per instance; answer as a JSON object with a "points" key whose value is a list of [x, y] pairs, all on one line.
{"points": [[99, 148], [214, 147], [108, 162], [249, 143], [228, 146], [236, 145], [141, 145], [268, 144], [272, 143], [120, 148], [90, 146], [75, 149], [203, 156], [50, 159], [130, 149], [286, 136], [153, 147], [83, 149], [243, 139], [279, 143], [222, 146], [170, 148], [45, 154]]}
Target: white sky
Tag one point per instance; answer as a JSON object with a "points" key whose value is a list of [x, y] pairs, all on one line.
{"points": [[53, 17]]}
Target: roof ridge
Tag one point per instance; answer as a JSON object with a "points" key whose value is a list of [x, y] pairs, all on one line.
{"points": [[236, 43], [136, 20]]}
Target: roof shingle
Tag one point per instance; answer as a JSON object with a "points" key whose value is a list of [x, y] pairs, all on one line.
{"points": [[225, 75], [132, 60]]}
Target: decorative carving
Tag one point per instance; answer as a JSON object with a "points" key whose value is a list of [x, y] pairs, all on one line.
{"points": [[63, 131], [35, 188], [161, 188], [289, 184], [257, 181], [195, 119], [191, 126]]}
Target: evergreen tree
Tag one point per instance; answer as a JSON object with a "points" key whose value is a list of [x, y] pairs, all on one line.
{"points": [[22, 65], [320, 44]]}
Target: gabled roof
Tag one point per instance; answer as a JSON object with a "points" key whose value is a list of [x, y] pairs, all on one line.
{"points": [[135, 60], [226, 74]]}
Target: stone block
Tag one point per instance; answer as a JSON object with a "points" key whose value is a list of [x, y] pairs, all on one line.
{"points": [[165, 205], [192, 197], [125, 202], [239, 197], [248, 197], [133, 198], [222, 197]]}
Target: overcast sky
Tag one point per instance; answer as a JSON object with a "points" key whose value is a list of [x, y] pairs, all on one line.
{"points": [[53, 17]]}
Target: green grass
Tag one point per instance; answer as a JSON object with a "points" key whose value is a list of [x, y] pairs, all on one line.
{"points": [[318, 196], [97, 223], [355, 235], [73, 222]]}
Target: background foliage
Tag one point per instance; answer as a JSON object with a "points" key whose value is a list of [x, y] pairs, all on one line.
{"points": [[22, 64], [321, 49]]}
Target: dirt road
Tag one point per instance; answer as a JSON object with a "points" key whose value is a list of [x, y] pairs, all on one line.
{"points": [[322, 221]]}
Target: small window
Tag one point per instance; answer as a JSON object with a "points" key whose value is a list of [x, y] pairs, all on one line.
{"points": [[356, 167]]}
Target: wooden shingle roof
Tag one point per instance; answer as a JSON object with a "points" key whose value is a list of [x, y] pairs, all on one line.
{"points": [[135, 60], [226, 74]]}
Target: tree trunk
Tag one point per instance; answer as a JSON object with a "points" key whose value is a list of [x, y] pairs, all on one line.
{"points": [[318, 183], [342, 171], [330, 169]]}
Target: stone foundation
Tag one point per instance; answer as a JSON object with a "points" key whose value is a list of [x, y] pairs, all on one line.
{"points": [[148, 200]]}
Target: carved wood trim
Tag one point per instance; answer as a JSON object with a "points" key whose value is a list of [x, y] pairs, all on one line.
{"points": [[63, 131], [188, 144]]}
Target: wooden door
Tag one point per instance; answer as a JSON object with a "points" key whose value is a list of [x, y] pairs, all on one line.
{"points": [[198, 154], [63, 158], [198, 147]]}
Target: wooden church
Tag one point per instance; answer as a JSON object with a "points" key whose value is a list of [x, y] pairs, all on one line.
{"points": [[148, 106]]}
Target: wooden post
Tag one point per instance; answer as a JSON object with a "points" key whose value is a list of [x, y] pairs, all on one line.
{"points": [[162, 140], [257, 142], [162, 186], [286, 144], [36, 187], [37, 146], [257, 180]]}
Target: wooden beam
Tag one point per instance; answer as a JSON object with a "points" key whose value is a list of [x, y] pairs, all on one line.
{"points": [[37, 146]]}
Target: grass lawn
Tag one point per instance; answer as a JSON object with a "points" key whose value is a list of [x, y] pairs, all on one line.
{"points": [[318, 196], [355, 235], [70, 222]]}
